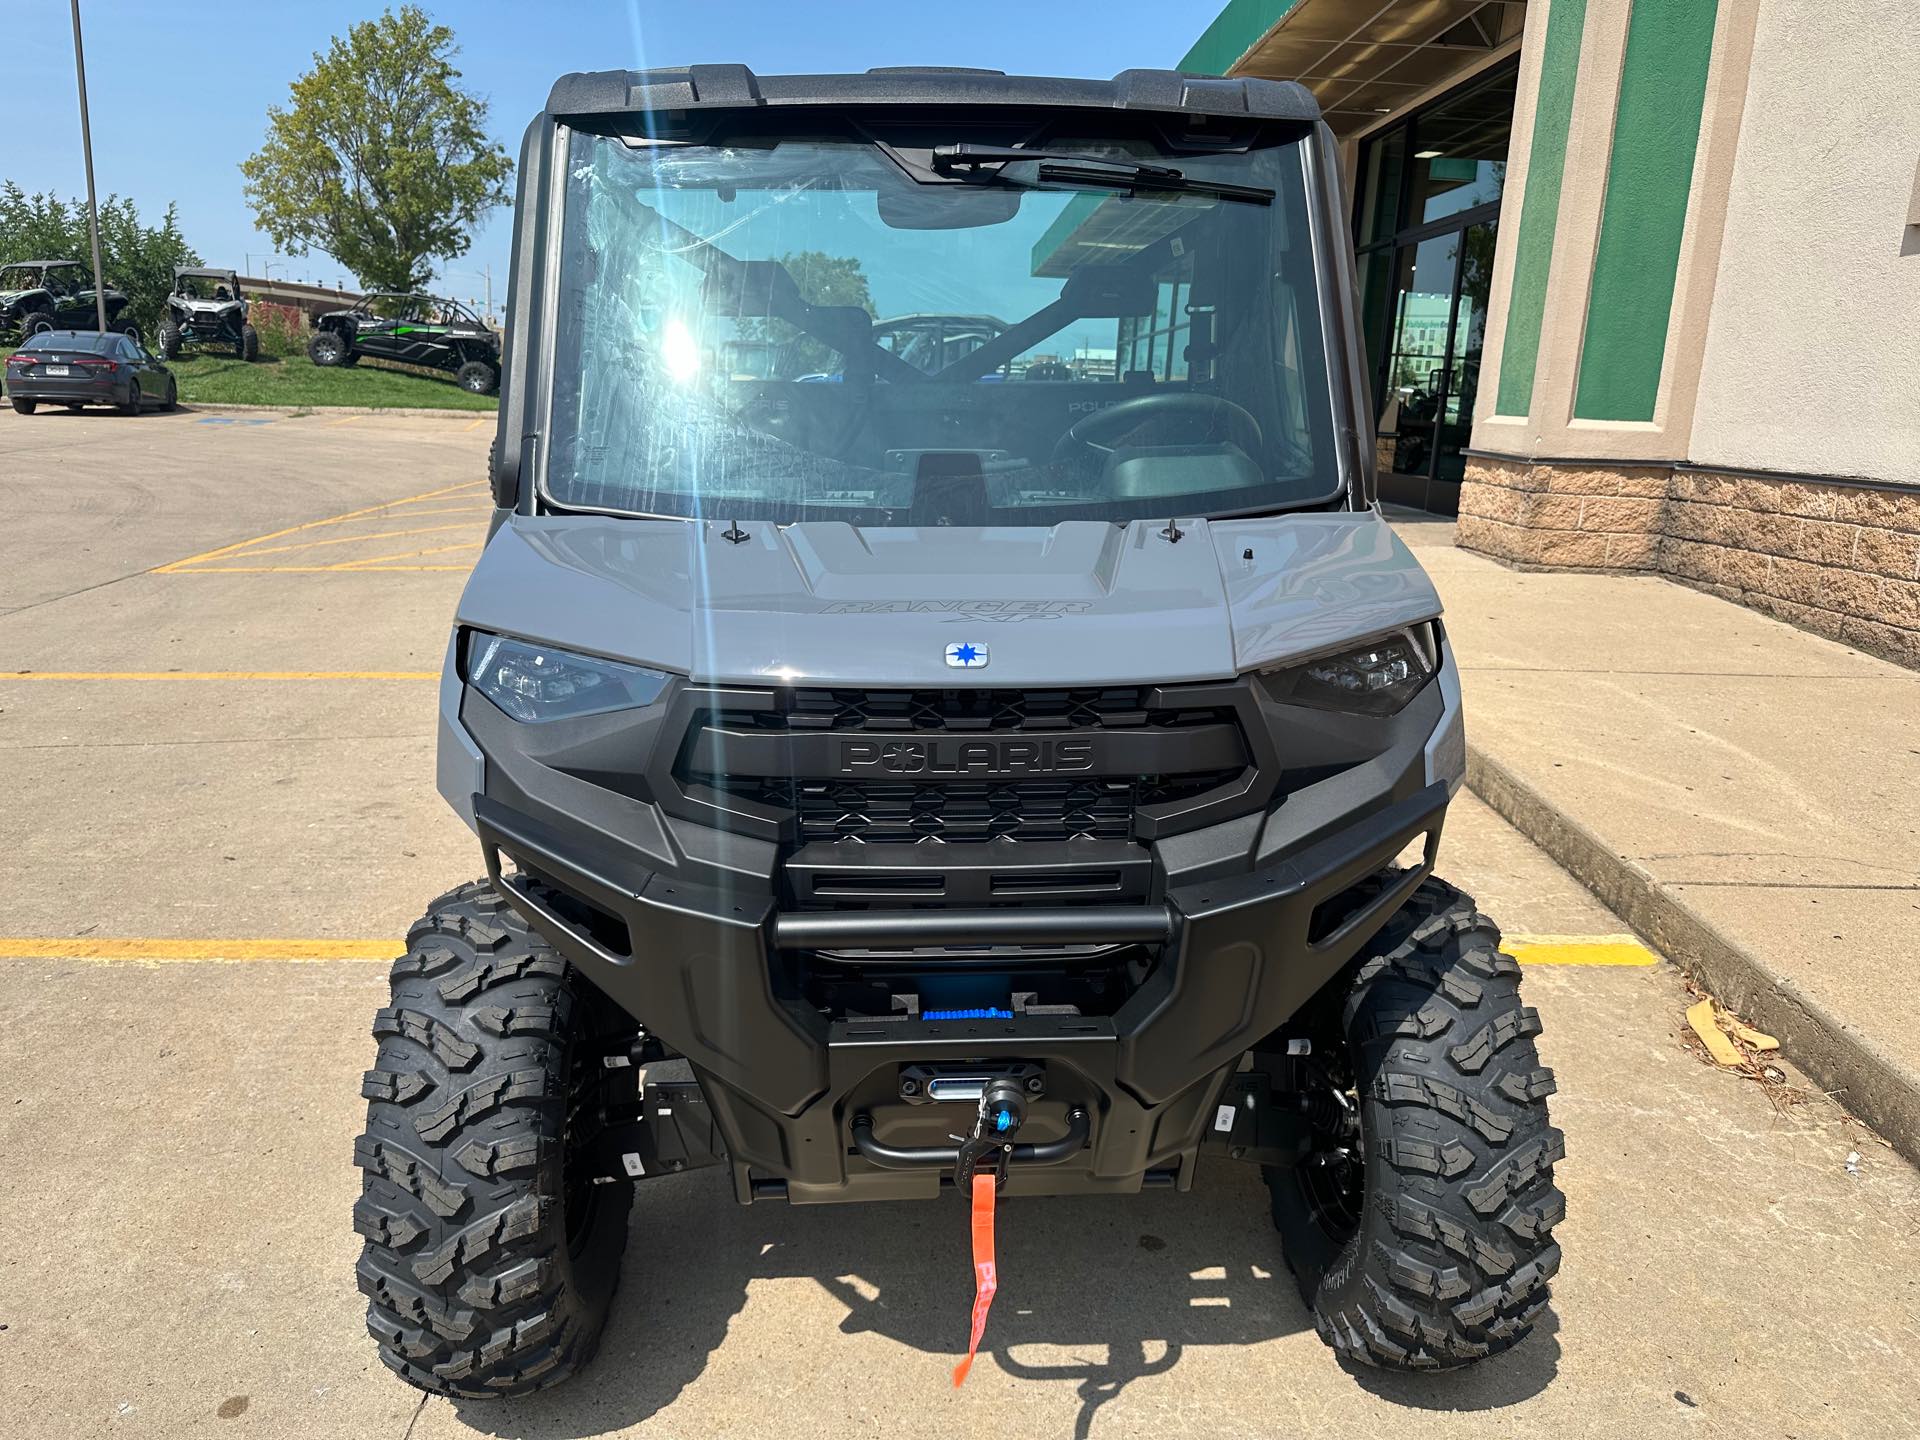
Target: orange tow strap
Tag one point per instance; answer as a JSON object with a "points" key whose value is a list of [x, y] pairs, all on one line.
{"points": [[985, 1282]]}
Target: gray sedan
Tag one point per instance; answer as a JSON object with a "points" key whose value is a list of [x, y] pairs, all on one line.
{"points": [[75, 368]]}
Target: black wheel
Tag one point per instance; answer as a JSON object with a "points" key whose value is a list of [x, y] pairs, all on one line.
{"points": [[168, 340], [327, 348], [490, 1258], [1420, 1227], [172, 402], [477, 377], [27, 407], [249, 344], [127, 328], [131, 405], [37, 323]]}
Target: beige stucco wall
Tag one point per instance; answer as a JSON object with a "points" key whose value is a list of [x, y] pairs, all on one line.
{"points": [[1812, 360]]}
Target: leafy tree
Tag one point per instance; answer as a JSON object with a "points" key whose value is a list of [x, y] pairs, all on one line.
{"points": [[136, 258], [381, 159]]}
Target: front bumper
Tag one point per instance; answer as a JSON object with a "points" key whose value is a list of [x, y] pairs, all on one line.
{"points": [[795, 1093]]}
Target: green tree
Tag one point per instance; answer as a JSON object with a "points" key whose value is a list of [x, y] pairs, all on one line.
{"points": [[136, 258], [381, 159]]}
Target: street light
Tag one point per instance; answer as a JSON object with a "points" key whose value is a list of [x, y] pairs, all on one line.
{"points": [[86, 145]]}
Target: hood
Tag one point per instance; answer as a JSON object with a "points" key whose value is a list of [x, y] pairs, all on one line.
{"points": [[7, 297], [1078, 604], [207, 304]]}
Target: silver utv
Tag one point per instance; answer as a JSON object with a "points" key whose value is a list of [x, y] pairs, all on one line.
{"points": [[900, 763], [205, 309]]}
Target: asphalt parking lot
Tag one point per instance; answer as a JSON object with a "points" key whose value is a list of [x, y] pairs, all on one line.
{"points": [[218, 638]]}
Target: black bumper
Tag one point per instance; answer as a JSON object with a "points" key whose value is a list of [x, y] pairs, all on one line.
{"points": [[794, 1094]]}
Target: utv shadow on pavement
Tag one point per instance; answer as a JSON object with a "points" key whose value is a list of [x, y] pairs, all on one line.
{"points": [[1142, 1277]]}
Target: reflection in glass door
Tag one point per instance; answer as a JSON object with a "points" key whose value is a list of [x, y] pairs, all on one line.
{"points": [[1426, 207]]}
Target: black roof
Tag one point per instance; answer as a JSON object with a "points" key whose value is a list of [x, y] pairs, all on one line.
{"points": [[211, 271], [38, 263], [714, 87]]}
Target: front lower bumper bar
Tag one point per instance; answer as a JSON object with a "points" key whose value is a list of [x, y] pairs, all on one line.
{"points": [[1234, 960]]}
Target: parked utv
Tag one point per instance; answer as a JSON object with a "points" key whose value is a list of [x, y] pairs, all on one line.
{"points": [[42, 295], [414, 330], [942, 778], [207, 308]]}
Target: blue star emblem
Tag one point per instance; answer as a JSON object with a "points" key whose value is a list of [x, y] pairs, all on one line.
{"points": [[966, 656]]}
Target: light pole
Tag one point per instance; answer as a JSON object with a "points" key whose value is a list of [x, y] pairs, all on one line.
{"points": [[86, 144]]}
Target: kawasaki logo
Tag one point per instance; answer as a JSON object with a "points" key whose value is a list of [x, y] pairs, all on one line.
{"points": [[964, 757]]}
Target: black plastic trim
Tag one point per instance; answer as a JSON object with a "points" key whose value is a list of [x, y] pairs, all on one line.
{"points": [[880, 929], [907, 1157]]}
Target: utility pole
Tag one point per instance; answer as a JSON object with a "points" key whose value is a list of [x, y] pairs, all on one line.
{"points": [[86, 144]]}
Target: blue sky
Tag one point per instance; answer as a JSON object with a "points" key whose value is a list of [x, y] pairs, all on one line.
{"points": [[162, 131]]}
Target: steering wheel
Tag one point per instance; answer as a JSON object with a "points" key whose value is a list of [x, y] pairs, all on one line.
{"points": [[1096, 431]]}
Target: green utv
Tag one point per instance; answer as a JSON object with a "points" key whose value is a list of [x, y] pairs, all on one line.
{"points": [[993, 753], [412, 330]]}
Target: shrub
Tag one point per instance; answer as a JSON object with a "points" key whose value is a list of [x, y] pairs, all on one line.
{"points": [[282, 328]]}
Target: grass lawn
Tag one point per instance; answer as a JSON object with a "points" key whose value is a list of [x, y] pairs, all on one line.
{"points": [[296, 380]]}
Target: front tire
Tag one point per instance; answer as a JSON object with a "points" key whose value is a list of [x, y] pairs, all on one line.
{"points": [[1422, 1236], [490, 1261], [25, 407], [249, 344], [477, 377], [327, 348], [169, 341], [131, 405]]}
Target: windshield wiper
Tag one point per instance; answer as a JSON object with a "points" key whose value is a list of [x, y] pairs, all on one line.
{"points": [[1060, 165]]}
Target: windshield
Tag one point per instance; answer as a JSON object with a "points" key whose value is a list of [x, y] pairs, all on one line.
{"points": [[800, 329], [207, 287]]}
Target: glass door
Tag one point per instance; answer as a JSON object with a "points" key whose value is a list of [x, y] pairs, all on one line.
{"points": [[1413, 383]]}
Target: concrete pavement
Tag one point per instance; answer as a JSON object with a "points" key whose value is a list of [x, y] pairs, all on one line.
{"points": [[178, 1249], [1744, 793]]}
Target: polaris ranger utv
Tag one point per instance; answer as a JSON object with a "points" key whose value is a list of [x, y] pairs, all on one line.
{"points": [[207, 307], [898, 771]]}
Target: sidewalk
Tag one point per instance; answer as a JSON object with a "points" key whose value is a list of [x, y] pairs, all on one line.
{"points": [[1744, 794]]}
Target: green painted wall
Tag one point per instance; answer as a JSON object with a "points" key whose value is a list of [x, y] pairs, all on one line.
{"points": [[1234, 31], [1540, 205], [1656, 130]]}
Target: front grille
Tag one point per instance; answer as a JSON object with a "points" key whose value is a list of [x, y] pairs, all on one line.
{"points": [[962, 811], [801, 765], [965, 711]]}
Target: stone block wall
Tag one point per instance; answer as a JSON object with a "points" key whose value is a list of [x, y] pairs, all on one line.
{"points": [[1841, 560]]}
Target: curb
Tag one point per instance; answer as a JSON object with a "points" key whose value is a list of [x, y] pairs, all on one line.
{"points": [[1870, 1083], [334, 409]]}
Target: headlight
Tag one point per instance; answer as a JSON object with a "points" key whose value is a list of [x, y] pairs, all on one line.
{"points": [[1378, 677], [537, 682]]}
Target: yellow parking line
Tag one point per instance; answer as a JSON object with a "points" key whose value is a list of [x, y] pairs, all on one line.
{"points": [[1578, 950], [175, 566], [373, 561], [318, 569], [351, 539], [478, 423], [220, 675], [225, 952]]}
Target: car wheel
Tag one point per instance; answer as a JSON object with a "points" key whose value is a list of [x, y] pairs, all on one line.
{"points": [[131, 405], [249, 344], [25, 407], [38, 323], [169, 341], [129, 329], [172, 402]]}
